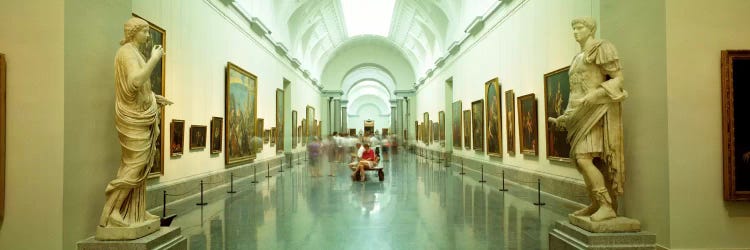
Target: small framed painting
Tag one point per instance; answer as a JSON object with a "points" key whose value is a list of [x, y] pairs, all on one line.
{"points": [[197, 137], [528, 124], [216, 125], [456, 123], [467, 129], [510, 122], [177, 132], [477, 125]]}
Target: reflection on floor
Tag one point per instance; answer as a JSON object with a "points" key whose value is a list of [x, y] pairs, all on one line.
{"points": [[418, 206]]}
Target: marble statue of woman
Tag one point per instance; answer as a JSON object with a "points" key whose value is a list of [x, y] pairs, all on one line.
{"points": [[137, 121], [593, 120]]}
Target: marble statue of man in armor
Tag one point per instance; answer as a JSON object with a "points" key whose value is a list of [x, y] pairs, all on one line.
{"points": [[593, 120], [137, 111]]}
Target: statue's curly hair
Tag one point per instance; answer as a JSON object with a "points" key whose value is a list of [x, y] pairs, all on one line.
{"points": [[133, 26], [589, 22]]}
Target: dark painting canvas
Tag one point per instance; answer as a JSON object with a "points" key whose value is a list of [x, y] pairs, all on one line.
{"points": [[528, 124], [510, 122], [735, 76], [477, 125], [494, 133], [556, 96], [456, 123], [467, 129]]}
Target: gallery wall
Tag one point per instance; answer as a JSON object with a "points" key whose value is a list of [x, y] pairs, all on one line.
{"points": [[195, 73], [519, 44], [31, 38], [699, 217]]}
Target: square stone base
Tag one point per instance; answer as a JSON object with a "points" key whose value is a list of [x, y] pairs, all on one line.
{"points": [[127, 233], [166, 238], [565, 236], [616, 225]]}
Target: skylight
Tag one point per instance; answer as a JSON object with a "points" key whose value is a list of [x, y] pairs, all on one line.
{"points": [[368, 16]]}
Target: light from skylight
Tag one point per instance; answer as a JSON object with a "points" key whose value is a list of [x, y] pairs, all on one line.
{"points": [[368, 16]]}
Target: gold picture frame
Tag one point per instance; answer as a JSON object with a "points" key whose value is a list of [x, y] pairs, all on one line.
{"points": [[240, 107], [735, 65]]}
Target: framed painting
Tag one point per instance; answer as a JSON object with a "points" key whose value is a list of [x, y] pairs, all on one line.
{"points": [[177, 132], [556, 96], [273, 136], [303, 134], [477, 125], [735, 87], [528, 124], [510, 122], [266, 136], [352, 131], [2, 136], [456, 123], [436, 131], [310, 117], [416, 131], [197, 137], [280, 120], [294, 129], [467, 129], [441, 125], [319, 129], [216, 124], [384, 132], [427, 132], [241, 91], [493, 126], [344, 118], [158, 83], [260, 139]]}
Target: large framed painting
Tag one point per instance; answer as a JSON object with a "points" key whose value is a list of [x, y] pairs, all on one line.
{"points": [[216, 124], [240, 109], [177, 132], [477, 125], [197, 137], [735, 87], [2, 137], [320, 129], [556, 96], [273, 136], [456, 108], [158, 83], [493, 126], [510, 122], [441, 126], [528, 124], [280, 120], [352, 131], [467, 129], [310, 118], [294, 129]]}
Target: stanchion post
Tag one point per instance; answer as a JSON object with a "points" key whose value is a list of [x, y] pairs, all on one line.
{"points": [[462, 168], [503, 189], [202, 203], [164, 205], [281, 165], [231, 184], [482, 180], [255, 174], [539, 193], [268, 169], [448, 162]]}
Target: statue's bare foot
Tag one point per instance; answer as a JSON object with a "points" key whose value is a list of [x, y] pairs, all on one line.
{"points": [[604, 213], [586, 211], [150, 216]]}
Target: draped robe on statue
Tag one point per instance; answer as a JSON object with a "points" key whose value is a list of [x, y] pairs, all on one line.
{"points": [[595, 129], [137, 123]]}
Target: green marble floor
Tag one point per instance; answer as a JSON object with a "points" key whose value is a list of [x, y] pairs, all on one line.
{"points": [[418, 206]]}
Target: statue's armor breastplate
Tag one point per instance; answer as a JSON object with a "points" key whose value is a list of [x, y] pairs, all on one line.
{"points": [[584, 77]]}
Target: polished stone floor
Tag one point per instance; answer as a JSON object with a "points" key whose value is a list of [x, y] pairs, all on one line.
{"points": [[418, 206]]}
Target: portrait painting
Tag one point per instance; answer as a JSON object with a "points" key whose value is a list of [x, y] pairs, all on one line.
{"points": [[177, 132], [266, 136], [441, 126], [510, 120], [352, 131], [310, 118], [416, 131], [493, 125], [320, 129], [273, 136], [216, 125], [477, 125], [240, 112], [260, 126], [435, 131], [158, 36], [294, 129], [197, 137], [303, 133], [467, 129], [427, 132], [527, 123], [384, 132], [2, 136], [456, 108], [735, 87], [280, 120], [556, 96]]}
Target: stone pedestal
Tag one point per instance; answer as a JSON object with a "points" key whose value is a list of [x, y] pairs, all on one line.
{"points": [[127, 233], [616, 225], [565, 236], [166, 238]]}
